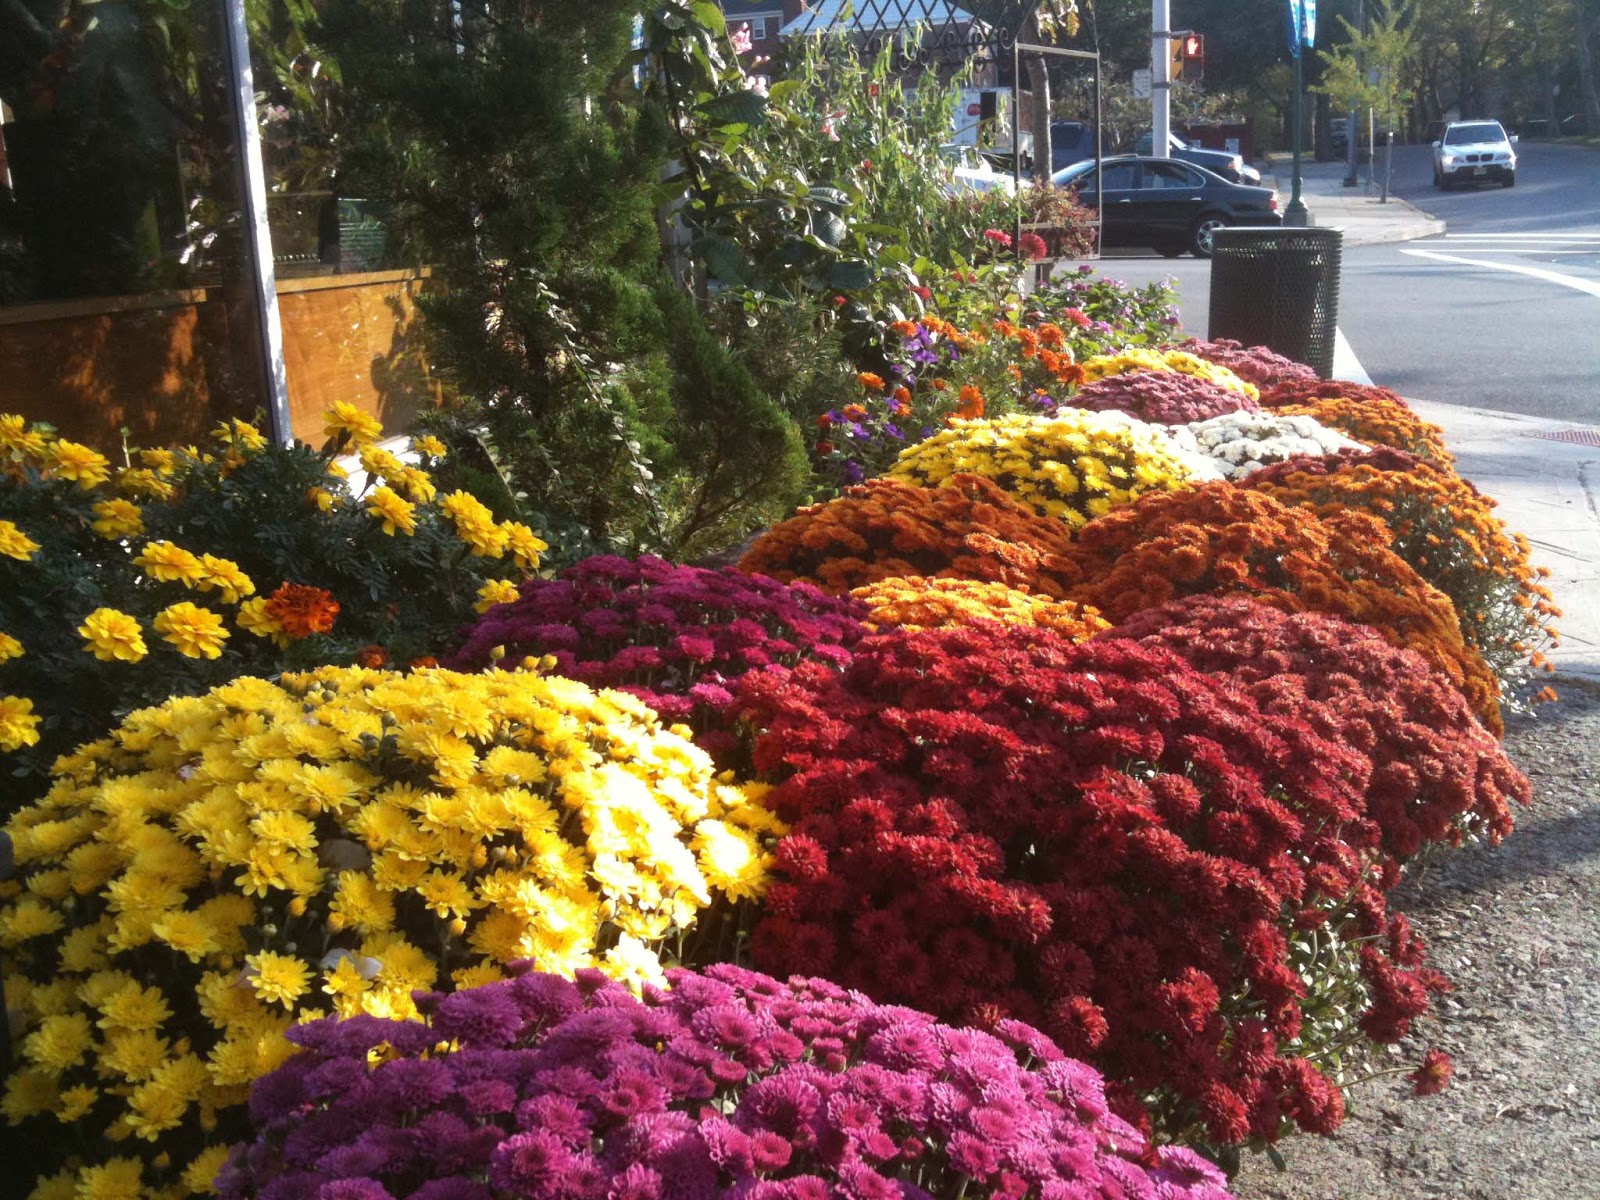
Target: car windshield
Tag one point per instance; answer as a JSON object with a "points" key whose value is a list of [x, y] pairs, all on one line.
{"points": [[1072, 176], [1462, 135]]}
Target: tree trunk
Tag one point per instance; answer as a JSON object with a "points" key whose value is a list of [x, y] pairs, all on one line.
{"points": [[1586, 82], [1039, 115]]}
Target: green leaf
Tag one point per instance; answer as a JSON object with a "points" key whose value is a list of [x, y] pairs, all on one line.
{"points": [[735, 108], [709, 15], [783, 89], [831, 228], [850, 275], [723, 258], [830, 196]]}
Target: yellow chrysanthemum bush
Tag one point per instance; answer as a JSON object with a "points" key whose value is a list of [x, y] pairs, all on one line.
{"points": [[915, 602], [121, 586], [1138, 358], [1076, 465], [224, 866]]}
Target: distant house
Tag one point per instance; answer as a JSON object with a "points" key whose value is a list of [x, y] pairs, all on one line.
{"points": [[947, 35], [765, 18]]}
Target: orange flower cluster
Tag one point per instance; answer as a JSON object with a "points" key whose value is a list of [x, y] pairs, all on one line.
{"points": [[301, 611], [1369, 414], [1225, 540], [966, 528], [1446, 529], [916, 603], [1046, 346]]}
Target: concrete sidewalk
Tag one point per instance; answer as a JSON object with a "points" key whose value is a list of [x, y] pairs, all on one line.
{"points": [[1355, 211]]}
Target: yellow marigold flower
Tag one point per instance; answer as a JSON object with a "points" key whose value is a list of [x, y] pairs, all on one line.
{"points": [[134, 1054], [142, 481], [115, 519], [377, 461], [429, 445], [169, 563], [27, 1094], [393, 510], [416, 483], [16, 437], [255, 618], [70, 460], [18, 726], [224, 577], [475, 523], [525, 546], [196, 632], [133, 1009], [241, 433], [16, 544], [63, 1185], [200, 1173], [277, 978], [75, 1103], [119, 1179], [113, 636], [346, 420], [321, 497], [493, 592], [9, 647]]}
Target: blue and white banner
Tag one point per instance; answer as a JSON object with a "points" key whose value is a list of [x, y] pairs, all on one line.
{"points": [[1302, 24]]}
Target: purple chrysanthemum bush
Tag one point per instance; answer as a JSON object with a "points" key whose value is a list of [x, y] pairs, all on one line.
{"points": [[729, 1086]]}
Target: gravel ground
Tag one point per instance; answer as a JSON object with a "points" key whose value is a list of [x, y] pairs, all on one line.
{"points": [[1517, 928]]}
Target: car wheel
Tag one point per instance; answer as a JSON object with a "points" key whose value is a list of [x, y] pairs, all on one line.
{"points": [[1510, 180], [1203, 239]]}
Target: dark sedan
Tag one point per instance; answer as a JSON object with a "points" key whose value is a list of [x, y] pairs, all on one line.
{"points": [[1169, 206]]}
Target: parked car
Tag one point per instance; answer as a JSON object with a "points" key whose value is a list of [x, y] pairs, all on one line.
{"points": [[1229, 165], [1167, 205], [1472, 152], [971, 172]]}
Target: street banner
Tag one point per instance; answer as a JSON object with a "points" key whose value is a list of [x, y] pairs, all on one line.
{"points": [[1302, 24]]}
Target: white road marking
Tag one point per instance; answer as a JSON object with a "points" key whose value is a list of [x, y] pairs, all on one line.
{"points": [[1522, 237], [1345, 364], [1589, 286]]}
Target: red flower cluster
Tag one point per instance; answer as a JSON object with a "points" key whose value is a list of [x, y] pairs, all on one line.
{"points": [[991, 822], [1437, 775], [966, 528], [1254, 364], [1161, 397], [1226, 540]]}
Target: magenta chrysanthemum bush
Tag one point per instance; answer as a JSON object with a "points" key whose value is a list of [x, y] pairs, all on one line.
{"points": [[1161, 397], [1254, 364], [730, 1086], [676, 637]]}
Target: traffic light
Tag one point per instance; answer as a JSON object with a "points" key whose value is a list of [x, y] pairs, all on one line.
{"points": [[1192, 57]]}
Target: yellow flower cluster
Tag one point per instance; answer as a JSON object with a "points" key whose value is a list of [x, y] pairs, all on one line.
{"points": [[1076, 465], [914, 602], [1137, 358], [270, 852]]}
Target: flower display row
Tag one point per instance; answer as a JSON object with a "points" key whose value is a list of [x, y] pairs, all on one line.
{"points": [[185, 568], [1066, 781]]}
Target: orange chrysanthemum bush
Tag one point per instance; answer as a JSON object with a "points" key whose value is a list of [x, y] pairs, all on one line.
{"points": [[1447, 530], [966, 528], [917, 603], [1374, 415], [1437, 775], [1225, 540]]}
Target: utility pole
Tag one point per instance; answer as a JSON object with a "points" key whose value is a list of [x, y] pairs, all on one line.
{"points": [[1295, 212], [1160, 76]]}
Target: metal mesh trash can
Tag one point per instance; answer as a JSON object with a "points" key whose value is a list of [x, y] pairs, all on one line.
{"points": [[1278, 287]]}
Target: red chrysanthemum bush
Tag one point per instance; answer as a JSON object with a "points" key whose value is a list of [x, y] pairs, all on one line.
{"points": [[1225, 540], [914, 603], [990, 822], [1437, 775], [1447, 530], [677, 637], [966, 528], [1367, 413], [1161, 397], [1254, 364]]}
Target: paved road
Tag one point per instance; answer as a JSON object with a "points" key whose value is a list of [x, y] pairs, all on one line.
{"points": [[1502, 312]]}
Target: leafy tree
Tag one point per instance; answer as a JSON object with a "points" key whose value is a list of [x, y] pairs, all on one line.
{"points": [[1371, 70]]}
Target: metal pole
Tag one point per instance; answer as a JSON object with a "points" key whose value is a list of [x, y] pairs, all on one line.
{"points": [[1099, 163], [1295, 213], [253, 216], [1388, 167], [1016, 153], [1352, 155], [1160, 74]]}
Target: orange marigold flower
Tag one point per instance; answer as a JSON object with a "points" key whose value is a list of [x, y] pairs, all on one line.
{"points": [[302, 610], [372, 657], [972, 403], [873, 383]]}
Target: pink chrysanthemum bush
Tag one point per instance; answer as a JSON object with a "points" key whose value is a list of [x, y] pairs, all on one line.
{"points": [[677, 637], [1437, 775], [992, 823], [1254, 364], [1162, 397], [731, 1084]]}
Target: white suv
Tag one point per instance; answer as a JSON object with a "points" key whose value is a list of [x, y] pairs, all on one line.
{"points": [[1472, 151]]}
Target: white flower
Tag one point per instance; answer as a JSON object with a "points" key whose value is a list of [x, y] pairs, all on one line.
{"points": [[1241, 442]]}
